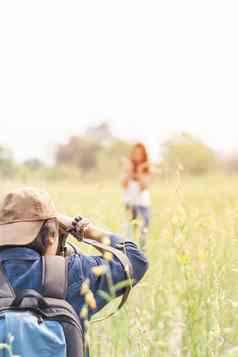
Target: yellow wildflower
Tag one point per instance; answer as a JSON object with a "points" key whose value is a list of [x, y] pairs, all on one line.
{"points": [[99, 270]]}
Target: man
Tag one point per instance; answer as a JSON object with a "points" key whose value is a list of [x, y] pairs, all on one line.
{"points": [[29, 229]]}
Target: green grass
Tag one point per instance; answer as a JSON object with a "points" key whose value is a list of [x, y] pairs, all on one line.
{"points": [[187, 304]]}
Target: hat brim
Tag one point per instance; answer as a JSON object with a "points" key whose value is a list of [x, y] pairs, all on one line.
{"points": [[19, 233]]}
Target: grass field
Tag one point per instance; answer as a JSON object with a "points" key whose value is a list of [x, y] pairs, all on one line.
{"points": [[187, 305]]}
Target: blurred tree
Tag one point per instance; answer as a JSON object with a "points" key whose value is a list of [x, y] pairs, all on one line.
{"points": [[7, 164], [230, 162], [80, 152], [109, 158], [193, 155], [100, 133], [34, 164], [97, 149]]}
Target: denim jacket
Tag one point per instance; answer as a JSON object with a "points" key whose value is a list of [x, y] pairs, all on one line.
{"points": [[23, 267]]}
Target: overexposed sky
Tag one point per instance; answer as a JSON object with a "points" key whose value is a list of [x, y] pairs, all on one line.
{"points": [[151, 67]]}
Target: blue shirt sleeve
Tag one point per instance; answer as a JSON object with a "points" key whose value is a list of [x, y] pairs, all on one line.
{"points": [[81, 267]]}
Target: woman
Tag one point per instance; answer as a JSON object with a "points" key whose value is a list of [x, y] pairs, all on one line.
{"points": [[136, 182]]}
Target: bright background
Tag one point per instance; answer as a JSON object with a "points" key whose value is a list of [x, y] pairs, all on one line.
{"points": [[150, 67]]}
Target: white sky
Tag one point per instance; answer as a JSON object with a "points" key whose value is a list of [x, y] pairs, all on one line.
{"points": [[151, 67]]}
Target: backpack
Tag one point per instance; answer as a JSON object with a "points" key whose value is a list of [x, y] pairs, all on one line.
{"points": [[34, 324]]}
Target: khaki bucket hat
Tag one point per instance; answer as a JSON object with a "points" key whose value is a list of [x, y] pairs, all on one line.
{"points": [[22, 213]]}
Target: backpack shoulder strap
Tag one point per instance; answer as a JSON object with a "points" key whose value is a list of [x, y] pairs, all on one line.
{"points": [[54, 276], [6, 290]]}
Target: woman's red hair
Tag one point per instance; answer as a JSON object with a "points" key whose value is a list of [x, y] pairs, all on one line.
{"points": [[144, 157]]}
